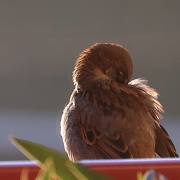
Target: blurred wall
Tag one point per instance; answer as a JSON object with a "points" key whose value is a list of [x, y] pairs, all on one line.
{"points": [[40, 40]]}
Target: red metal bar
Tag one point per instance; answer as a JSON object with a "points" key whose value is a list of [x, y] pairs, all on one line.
{"points": [[117, 169], [12, 170]]}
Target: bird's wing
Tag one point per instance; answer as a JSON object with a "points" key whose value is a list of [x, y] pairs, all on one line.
{"points": [[164, 146], [100, 134], [107, 147]]}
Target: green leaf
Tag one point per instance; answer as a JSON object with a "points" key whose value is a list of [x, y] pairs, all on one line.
{"points": [[47, 171], [140, 176], [64, 168]]}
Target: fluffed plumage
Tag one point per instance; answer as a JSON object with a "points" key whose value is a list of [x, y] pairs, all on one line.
{"points": [[110, 116]]}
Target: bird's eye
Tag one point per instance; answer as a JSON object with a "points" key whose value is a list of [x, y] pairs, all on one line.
{"points": [[120, 77], [121, 73]]}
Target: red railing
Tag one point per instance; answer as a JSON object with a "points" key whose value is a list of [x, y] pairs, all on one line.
{"points": [[117, 169]]}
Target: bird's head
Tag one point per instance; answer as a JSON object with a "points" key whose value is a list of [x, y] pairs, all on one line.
{"points": [[101, 64]]}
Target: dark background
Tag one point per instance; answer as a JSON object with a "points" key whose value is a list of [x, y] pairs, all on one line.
{"points": [[40, 40]]}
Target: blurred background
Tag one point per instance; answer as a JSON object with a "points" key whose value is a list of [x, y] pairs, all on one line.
{"points": [[40, 40]]}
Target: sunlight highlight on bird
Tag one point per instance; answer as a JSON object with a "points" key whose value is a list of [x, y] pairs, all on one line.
{"points": [[109, 115]]}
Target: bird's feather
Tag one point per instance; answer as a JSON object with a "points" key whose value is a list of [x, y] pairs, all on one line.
{"points": [[108, 115], [164, 146]]}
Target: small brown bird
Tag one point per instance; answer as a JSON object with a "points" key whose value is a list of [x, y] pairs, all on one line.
{"points": [[108, 115]]}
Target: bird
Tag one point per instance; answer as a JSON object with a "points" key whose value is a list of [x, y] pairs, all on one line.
{"points": [[110, 116]]}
